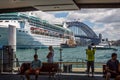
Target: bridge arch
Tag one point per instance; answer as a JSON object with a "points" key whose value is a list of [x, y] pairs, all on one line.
{"points": [[86, 30]]}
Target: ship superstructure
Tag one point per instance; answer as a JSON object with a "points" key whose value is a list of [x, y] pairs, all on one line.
{"points": [[32, 32]]}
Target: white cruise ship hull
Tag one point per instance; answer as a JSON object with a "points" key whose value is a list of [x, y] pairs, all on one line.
{"points": [[27, 40]]}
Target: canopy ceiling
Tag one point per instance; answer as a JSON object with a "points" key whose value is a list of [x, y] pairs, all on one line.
{"points": [[54, 5]]}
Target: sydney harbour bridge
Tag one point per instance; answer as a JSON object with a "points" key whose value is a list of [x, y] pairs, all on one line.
{"points": [[83, 33]]}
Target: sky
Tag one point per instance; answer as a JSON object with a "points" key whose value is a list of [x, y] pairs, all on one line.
{"points": [[104, 21]]}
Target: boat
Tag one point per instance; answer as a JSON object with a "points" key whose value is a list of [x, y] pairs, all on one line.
{"points": [[104, 46], [32, 32], [70, 43], [68, 46]]}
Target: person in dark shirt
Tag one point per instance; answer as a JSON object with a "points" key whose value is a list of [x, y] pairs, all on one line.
{"points": [[112, 67], [118, 77]]}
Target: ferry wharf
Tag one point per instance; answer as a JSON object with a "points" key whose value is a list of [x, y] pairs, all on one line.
{"points": [[61, 76], [75, 74]]}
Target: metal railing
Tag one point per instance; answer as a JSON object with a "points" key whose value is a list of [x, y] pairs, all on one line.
{"points": [[74, 61]]}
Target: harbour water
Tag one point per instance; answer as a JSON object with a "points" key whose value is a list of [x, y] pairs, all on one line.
{"points": [[68, 54]]}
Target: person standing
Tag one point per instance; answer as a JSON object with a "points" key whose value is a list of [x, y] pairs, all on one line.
{"points": [[90, 52], [50, 55], [35, 67], [112, 67]]}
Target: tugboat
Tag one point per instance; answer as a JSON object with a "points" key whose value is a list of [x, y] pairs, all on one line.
{"points": [[70, 43]]}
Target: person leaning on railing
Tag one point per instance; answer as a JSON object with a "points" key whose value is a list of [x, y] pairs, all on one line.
{"points": [[112, 68], [35, 67], [50, 55]]}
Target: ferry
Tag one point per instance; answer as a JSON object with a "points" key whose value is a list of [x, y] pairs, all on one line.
{"points": [[104, 45], [32, 32]]}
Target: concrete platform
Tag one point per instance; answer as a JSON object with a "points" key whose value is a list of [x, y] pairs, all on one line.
{"points": [[76, 74], [62, 76]]}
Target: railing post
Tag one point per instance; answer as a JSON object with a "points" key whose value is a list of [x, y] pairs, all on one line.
{"points": [[35, 50], [60, 63], [82, 63], [77, 61]]}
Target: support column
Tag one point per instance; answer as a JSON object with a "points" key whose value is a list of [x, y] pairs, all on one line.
{"points": [[12, 42]]}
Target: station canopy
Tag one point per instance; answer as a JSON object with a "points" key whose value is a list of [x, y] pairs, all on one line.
{"points": [[54, 5]]}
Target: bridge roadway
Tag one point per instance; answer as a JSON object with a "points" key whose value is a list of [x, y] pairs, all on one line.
{"points": [[87, 37]]}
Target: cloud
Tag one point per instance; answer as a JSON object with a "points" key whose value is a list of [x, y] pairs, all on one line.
{"points": [[111, 16], [106, 21], [48, 17], [96, 15], [110, 31]]}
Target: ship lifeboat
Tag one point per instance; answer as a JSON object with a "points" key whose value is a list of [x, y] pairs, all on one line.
{"points": [[32, 28], [41, 30], [46, 32]]}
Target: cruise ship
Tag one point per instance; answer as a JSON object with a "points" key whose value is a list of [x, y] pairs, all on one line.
{"points": [[32, 32]]}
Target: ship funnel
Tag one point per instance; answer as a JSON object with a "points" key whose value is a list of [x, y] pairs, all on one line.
{"points": [[64, 25]]}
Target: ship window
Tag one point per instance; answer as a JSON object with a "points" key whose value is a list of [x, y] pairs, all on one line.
{"points": [[19, 30], [1, 21], [26, 31], [0, 35], [22, 24], [6, 21]]}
